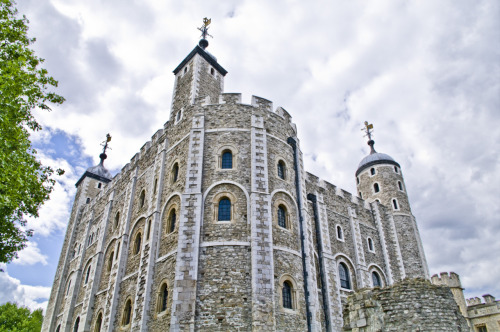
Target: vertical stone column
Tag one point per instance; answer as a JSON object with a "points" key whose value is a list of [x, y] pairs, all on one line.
{"points": [[395, 245], [88, 306], [261, 236], [186, 269], [383, 243], [362, 274], [116, 275]]}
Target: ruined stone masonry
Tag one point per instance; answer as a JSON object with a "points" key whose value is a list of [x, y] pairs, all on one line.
{"points": [[214, 225]]}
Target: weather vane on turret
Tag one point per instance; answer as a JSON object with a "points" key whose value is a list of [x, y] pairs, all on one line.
{"points": [[105, 147], [204, 33], [368, 129]]}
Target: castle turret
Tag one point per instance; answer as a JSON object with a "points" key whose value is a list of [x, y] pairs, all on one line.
{"points": [[379, 178]]}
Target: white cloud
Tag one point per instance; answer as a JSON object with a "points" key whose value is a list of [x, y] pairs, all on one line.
{"points": [[31, 255]]}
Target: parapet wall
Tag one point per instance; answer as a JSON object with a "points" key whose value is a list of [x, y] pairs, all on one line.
{"points": [[410, 305]]}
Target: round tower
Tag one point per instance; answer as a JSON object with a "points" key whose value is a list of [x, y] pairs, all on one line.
{"points": [[379, 178]]}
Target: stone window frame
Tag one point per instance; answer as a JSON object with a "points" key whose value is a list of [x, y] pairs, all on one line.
{"points": [[400, 186], [172, 179], [68, 284], [337, 226], [295, 303], [86, 272], [369, 241], [234, 153], [76, 324], [142, 199], [99, 313], [137, 247], [116, 222], [285, 169], [123, 315], [215, 205], [375, 268], [479, 327], [373, 171], [288, 219], [353, 282], [110, 261], [169, 209], [396, 169], [357, 179], [58, 329], [395, 204], [158, 312], [374, 188], [178, 116]]}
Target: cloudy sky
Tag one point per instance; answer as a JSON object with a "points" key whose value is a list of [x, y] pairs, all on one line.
{"points": [[425, 73]]}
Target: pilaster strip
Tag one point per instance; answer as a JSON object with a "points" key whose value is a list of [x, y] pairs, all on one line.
{"points": [[362, 272], [381, 234]]}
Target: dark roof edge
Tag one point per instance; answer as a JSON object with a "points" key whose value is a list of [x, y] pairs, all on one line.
{"points": [[205, 56], [376, 162], [94, 176]]}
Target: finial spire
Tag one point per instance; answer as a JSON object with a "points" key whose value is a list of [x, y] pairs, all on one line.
{"points": [[204, 33], [105, 147], [368, 129]]}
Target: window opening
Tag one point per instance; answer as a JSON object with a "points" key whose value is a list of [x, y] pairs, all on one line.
{"points": [[344, 276], [163, 298], [98, 324], [340, 235], [396, 169], [156, 184], [77, 323], [357, 179], [212, 71], [400, 185], [99, 185], [117, 219], [173, 217], [287, 295], [224, 209], [142, 198], [58, 328], [395, 204], [175, 172], [376, 187], [376, 280], [127, 312], [110, 261], [149, 229], [178, 116], [282, 216], [227, 160], [137, 244], [372, 171], [87, 275], [69, 286], [281, 169], [360, 195], [370, 244], [88, 200]]}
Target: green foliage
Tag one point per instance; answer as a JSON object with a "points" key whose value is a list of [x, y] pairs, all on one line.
{"points": [[24, 182], [19, 319]]}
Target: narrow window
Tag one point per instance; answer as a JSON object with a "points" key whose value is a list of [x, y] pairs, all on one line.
{"points": [[172, 219], [372, 171], [98, 323], [58, 328], [69, 287], [396, 169], [149, 229], [224, 209], [282, 216], [178, 117], [340, 235], [99, 185], [400, 185], [127, 312], [378, 200], [163, 297], [212, 71], [87, 275], [117, 251], [357, 179], [227, 160], [344, 276], [287, 295], [395, 204], [110, 261], [77, 324], [137, 244], [142, 198], [175, 172], [185, 70], [281, 169], [376, 280], [88, 200], [376, 187], [155, 186], [360, 195], [117, 219], [370, 244], [482, 328]]}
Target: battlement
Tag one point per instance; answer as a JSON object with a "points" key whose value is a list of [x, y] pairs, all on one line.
{"points": [[477, 301], [444, 279]]}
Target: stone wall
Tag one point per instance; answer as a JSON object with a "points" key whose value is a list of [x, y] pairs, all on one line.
{"points": [[409, 305]]}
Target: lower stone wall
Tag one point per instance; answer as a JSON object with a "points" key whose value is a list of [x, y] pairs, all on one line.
{"points": [[410, 305]]}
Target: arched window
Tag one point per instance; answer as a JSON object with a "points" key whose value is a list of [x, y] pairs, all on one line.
{"points": [[127, 313], [281, 169], [357, 179], [149, 229], [110, 261], [137, 244], [345, 281], [69, 287], [400, 185], [395, 204], [224, 213], [396, 169], [98, 323], [117, 219], [372, 171], [376, 280], [212, 71], [175, 172], [370, 244], [58, 328], [99, 185], [77, 324], [178, 116], [142, 198], [163, 298], [227, 159], [360, 195], [88, 200], [340, 234], [155, 186], [287, 295], [282, 216], [87, 275], [376, 187], [172, 218]]}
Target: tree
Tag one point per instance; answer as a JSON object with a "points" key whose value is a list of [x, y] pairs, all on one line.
{"points": [[24, 87], [19, 319]]}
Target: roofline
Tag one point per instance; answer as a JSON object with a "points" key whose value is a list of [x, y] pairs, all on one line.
{"points": [[376, 162], [204, 55], [94, 176]]}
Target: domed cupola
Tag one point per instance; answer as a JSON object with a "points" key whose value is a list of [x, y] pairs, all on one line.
{"points": [[379, 178], [98, 172]]}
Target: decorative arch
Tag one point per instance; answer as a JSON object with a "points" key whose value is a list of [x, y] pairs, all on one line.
{"points": [[220, 156], [233, 202], [98, 321], [285, 204], [375, 268], [163, 297], [287, 293], [346, 262], [172, 203], [127, 312]]}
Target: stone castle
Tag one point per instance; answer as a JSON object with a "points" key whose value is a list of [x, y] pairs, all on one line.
{"points": [[214, 225]]}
